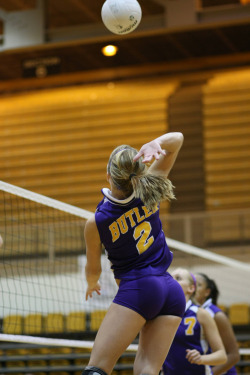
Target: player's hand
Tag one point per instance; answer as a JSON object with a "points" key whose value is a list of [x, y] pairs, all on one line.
{"points": [[150, 151], [91, 289], [194, 356]]}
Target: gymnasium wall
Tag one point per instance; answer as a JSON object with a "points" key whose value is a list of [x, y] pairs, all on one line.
{"points": [[185, 115], [226, 124], [57, 142]]}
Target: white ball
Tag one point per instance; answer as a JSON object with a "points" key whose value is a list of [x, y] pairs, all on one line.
{"points": [[121, 16]]}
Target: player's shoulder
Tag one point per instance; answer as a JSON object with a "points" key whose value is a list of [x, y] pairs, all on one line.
{"points": [[90, 224], [213, 310], [221, 317], [203, 315], [191, 308]]}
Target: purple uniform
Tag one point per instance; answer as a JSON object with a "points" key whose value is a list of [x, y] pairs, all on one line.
{"points": [[213, 309], [133, 237], [188, 336], [136, 247]]}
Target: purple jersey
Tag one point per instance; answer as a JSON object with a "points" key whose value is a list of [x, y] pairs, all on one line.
{"points": [[132, 236], [188, 336], [210, 307], [213, 309]]}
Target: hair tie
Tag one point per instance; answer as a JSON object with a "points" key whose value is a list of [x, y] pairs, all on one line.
{"points": [[131, 175], [194, 279]]}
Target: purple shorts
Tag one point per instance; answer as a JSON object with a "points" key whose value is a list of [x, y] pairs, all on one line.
{"points": [[231, 371], [151, 296]]}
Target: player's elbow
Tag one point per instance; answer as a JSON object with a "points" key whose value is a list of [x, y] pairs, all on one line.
{"points": [[179, 139], [222, 358], [235, 357]]}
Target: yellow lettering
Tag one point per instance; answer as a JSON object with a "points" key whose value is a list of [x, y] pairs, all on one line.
{"points": [[122, 224], [137, 214], [130, 217], [142, 232], [190, 322], [114, 231], [147, 211]]}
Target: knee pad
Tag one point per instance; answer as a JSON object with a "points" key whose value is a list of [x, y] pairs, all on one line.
{"points": [[92, 370]]}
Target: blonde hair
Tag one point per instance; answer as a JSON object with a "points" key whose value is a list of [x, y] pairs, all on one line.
{"points": [[129, 176], [192, 281]]}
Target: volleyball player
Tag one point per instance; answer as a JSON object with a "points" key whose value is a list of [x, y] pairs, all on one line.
{"points": [[206, 295], [197, 333], [149, 301]]}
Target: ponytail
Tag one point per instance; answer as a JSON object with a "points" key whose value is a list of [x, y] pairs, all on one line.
{"points": [[133, 176], [152, 189]]}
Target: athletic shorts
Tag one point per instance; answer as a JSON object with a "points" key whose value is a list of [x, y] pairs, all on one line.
{"points": [[231, 371], [151, 296]]}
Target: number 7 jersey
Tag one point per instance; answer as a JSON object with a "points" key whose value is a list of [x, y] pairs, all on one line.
{"points": [[189, 335], [132, 236]]}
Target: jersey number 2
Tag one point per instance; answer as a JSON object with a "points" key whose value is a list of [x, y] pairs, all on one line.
{"points": [[142, 232]]}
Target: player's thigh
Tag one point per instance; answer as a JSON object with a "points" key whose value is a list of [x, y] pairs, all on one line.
{"points": [[155, 340], [119, 328]]}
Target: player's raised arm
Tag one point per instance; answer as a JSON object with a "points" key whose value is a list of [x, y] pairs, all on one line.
{"points": [[162, 152]]}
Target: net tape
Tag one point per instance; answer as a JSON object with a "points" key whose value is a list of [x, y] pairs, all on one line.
{"points": [[71, 343]]}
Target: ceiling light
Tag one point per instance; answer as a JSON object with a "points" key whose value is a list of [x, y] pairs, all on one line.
{"points": [[109, 50]]}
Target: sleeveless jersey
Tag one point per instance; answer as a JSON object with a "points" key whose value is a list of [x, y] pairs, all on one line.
{"points": [[188, 336], [213, 309], [132, 236]]}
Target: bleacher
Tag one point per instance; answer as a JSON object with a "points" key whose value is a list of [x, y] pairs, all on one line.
{"points": [[21, 358], [31, 359]]}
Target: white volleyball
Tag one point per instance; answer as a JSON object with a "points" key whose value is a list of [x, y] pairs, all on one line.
{"points": [[121, 16]]}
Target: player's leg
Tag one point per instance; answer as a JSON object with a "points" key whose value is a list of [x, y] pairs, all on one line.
{"points": [[119, 328], [157, 334], [155, 340]]}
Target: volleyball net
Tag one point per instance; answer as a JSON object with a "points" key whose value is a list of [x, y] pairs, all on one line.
{"points": [[42, 272]]}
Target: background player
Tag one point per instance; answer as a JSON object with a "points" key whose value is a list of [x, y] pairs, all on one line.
{"points": [[127, 223], [189, 353], [206, 295]]}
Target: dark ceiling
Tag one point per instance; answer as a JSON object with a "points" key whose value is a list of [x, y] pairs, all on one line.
{"points": [[74, 34]]}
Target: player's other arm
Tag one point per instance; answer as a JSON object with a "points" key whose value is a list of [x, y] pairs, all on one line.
{"points": [[93, 267], [229, 341], [1, 240], [162, 151], [218, 355]]}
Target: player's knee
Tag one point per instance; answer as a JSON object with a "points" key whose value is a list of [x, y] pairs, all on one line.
{"points": [[92, 370]]}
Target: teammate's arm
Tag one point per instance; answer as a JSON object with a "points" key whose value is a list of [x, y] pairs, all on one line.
{"points": [[229, 341], [218, 355], [162, 151], [93, 267]]}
